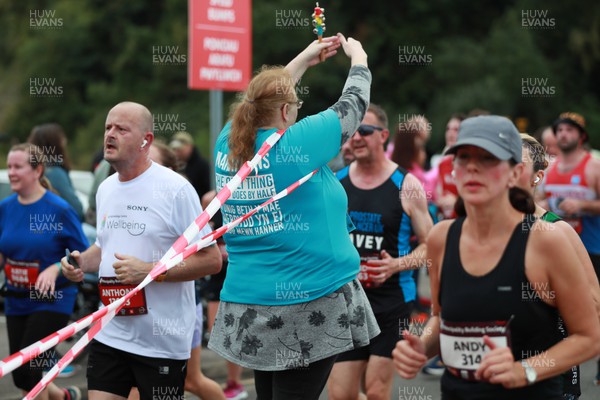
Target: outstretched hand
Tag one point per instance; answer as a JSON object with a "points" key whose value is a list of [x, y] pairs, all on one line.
{"points": [[311, 55], [353, 49], [328, 45]]}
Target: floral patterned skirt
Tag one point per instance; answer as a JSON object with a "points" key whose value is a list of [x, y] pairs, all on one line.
{"points": [[275, 338]]}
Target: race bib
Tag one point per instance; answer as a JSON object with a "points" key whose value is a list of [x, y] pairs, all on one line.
{"points": [[462, 347], [21, 274], [111, 289], [363, 276]]}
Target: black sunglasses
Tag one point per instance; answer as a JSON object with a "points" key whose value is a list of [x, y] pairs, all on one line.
{"points": [[366, 130]]}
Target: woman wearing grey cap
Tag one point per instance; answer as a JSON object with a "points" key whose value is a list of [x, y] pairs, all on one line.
{"points": [[499, 277]]}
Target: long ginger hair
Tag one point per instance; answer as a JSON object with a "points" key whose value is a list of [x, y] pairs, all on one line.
{"points": [[269, 90]]}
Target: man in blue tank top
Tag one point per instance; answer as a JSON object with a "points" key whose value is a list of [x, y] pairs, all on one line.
{"points": [[388, 206]]}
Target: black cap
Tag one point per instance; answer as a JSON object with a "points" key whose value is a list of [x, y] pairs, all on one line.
{"points": [[572, 119]]}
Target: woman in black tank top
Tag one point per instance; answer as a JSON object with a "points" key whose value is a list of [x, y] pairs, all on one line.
{"points": [[498, 279]]}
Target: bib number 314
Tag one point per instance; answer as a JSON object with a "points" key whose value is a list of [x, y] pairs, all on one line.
{"points": [[462, 344]]}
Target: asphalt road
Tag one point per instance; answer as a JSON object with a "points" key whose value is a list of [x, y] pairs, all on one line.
{"points": [[421, 388]]}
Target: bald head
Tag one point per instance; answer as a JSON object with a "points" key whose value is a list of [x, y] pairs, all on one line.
{"points": [[127, 139], [140, 115]]}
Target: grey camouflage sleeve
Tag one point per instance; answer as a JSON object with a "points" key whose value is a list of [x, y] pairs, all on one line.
{"points": [[354, 101]]}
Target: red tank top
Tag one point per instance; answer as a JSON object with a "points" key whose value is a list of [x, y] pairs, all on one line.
{"points": [[445, 176], [569, 185], [447, 183]]}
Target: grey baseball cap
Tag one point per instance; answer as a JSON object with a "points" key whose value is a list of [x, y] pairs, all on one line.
{"points": [[493, 133]]}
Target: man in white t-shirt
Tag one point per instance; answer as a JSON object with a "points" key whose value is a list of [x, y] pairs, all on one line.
{"points": [[141, 211]]}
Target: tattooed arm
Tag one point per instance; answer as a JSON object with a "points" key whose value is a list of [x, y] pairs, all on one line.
{"points": [[352, 105]]}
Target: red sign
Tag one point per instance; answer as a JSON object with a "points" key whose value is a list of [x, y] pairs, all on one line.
{"points": [[220, 44]]}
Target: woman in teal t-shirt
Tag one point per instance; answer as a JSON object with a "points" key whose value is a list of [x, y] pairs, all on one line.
{"points": [[290, 302]]}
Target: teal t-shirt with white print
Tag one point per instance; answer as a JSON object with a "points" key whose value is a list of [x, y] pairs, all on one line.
{"points": [[298, 248]]}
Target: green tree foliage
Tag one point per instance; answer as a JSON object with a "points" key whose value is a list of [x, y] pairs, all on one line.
{"points": [[480, 54]]}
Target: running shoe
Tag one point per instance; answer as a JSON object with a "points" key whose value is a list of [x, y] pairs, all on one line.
{"points": [[235, 391], [72, 393], [435, 367], [67, 372]]}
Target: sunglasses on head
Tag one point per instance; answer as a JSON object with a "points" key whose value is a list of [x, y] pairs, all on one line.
{"points": [[366, 130]]}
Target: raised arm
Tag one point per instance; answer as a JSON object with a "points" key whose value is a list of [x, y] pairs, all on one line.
{"points": [[352, 105]]}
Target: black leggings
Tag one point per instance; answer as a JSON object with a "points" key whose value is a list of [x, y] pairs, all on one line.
{"points": [[293, 384], [24, 330]]}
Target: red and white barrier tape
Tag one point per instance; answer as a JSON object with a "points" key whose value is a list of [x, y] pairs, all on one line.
{"points": [[17, 359], [189, 250]]}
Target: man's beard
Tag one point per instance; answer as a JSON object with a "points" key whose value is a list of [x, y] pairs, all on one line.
{"points": [[568, 147]]}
